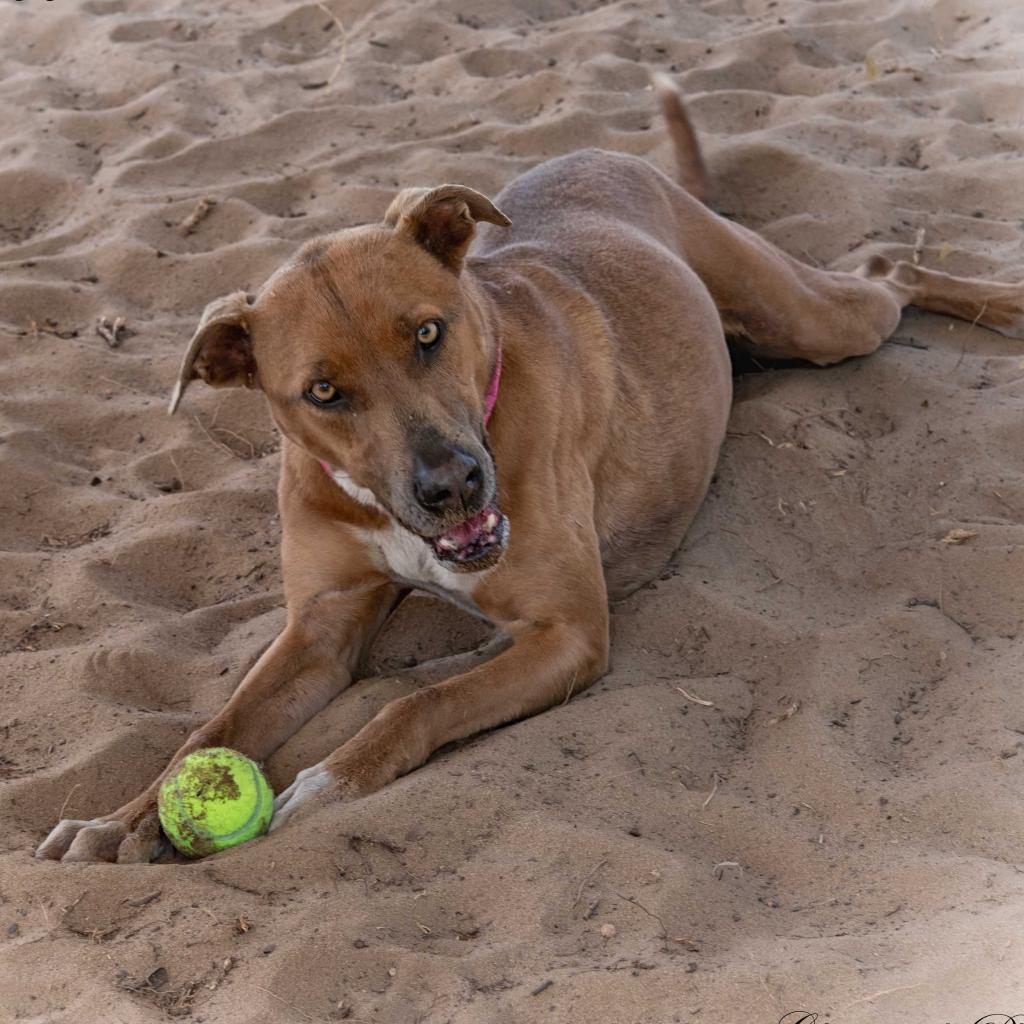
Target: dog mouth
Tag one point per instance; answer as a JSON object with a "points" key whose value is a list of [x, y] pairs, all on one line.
{"points": [[476, 543]]}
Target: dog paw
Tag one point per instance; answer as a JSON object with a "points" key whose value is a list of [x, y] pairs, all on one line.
{"points": [[117, 839], [308, 785]]}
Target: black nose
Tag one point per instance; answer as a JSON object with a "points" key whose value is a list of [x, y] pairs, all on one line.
{"points": [[445, 477]]}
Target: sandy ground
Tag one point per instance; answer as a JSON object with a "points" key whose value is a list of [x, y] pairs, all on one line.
{"points": [[835, 825]]}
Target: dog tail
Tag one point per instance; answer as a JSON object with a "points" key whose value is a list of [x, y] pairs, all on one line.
{"points": [[690, 164]]}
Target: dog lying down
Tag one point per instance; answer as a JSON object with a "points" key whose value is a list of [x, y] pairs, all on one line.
{"points": [[515, 404]]}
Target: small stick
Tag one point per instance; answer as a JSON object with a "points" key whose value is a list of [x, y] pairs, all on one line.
{"points": [[291, 1006], [67, 799], [918, 245], [786, 715], [125, 387], [908, 342], [884, 992], [141, 901], [569, 689], [238, 437], [697, 700], [199, 213], [981, 313], [813, 260], [542, 987], [64, 911], [177, 469], [213, 440], [344, 43], [717, 869], [109, 330], [970, 331], [711, 795], [587, 878], [649, 913]]}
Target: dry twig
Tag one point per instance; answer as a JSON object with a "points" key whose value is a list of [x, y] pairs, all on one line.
{"points": [[344, 43], [199, 213], [711, 795], [696, 700], [918, 246], [959, 536], [884, 992], [67, 800], [109, 330], [588, 877], [649, 913]]}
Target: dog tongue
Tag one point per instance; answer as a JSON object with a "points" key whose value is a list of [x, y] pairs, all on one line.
{"points": [[465, 533]]}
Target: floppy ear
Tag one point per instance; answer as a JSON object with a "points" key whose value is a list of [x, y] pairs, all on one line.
{"points": [[443, 219], [220, 351]]}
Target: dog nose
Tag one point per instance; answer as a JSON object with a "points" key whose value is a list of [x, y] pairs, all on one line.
{"points": [[445, 477]]}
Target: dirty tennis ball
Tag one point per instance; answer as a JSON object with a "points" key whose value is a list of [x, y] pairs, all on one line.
{"points": [[217, 798]]}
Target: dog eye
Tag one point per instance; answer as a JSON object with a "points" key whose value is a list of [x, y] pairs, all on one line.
{"points": [[429, 334], [323, 392]]}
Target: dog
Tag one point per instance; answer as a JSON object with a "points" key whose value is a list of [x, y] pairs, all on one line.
{"points": [[517, 405]]}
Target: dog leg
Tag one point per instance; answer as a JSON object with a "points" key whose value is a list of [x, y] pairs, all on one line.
{"points": [[308, 665], [545, 666], [992, 304], [777, 306], [783, 309]]}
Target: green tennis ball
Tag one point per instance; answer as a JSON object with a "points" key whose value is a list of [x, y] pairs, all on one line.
{"points": [[216, 799]]}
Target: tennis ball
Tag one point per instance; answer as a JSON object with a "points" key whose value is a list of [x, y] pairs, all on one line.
{"points": [[217, 798]]}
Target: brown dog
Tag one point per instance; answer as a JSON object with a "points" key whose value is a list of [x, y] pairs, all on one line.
{"points": [[592, 325]]}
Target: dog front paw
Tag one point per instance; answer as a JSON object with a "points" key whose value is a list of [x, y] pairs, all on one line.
{"points": [[124, 837], [308, 785]]}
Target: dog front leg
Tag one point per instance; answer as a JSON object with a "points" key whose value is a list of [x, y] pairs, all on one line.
{"points": [[308, 665], [546, 664]]}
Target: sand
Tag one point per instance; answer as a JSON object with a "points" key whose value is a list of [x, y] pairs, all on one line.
{"points": [[829, 818]]}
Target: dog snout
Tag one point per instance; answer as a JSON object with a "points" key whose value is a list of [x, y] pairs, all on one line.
{"points": [[446, 477]]}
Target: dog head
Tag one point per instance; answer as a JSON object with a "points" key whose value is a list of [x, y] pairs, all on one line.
{"points": [[373, 353]]}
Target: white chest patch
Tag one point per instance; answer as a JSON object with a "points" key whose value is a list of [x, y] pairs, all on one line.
{"points": [[353, 490], [406, 557], [409, 560]]}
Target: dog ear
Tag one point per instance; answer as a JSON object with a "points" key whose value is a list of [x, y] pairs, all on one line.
{"points": [[220, 351], [443, 219]]}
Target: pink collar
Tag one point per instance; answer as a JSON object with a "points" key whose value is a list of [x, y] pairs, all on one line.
{"points": [[490, 400]]}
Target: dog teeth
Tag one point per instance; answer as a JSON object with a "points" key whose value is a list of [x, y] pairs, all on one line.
{"points": [[446, 544], [491, 521]]}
